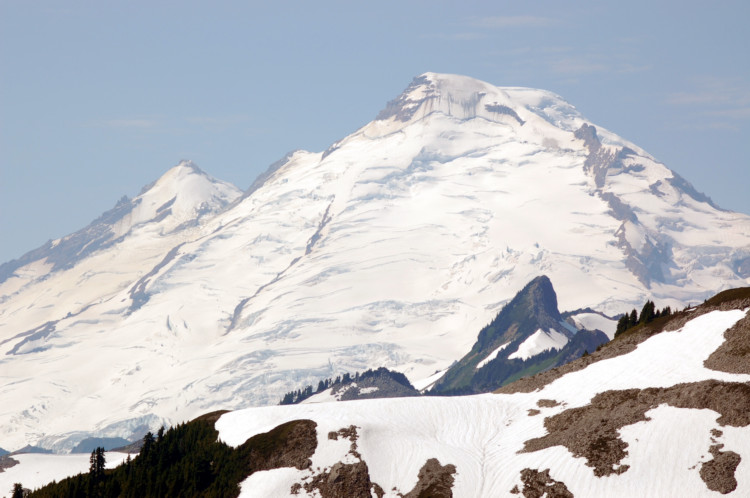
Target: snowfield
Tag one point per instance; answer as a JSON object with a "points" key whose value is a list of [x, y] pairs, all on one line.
{"points": [[34, 470], [482, 435], [538, 342], [392, 248]]}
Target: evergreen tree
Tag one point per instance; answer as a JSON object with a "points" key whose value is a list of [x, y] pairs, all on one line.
{"points": [[633, 320], [622, 324], [647, 313], [17, 490], [148, 444], [97, 461]]}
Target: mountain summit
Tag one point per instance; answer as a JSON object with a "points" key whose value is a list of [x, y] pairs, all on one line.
{"points": [[392, 248], [528, 336]]}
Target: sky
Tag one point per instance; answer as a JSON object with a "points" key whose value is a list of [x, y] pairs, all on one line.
{"points": [[99, 98]]}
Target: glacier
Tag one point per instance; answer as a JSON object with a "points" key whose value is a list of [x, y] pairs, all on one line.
{"points": [[391, 248]]}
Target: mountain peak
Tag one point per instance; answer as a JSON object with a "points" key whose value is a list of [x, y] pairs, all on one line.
{"points": [[529, 326], [454, 95]]}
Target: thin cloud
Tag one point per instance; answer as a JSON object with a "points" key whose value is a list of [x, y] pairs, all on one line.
{"points": [[498, 22], [463, 36], [741, 113], [215, 122], [579, 65], [713, 91], [719, 103], [129, 123]]}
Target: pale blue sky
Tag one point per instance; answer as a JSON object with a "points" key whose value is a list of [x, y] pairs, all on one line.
{"points": [[99, 98]]}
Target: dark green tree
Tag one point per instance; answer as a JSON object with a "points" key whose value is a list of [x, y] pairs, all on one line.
{"points": [[622, 324], [633, 319], [648, 312], [96, 463], [17, 490]]}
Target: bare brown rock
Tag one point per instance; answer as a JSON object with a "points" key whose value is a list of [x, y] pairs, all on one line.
{"points": [[344, 480], [533, 411], [547, 403], [718, 473], [288, 445], [538, 484], [591, 431], [733, 355], [351, 434], [7, 462], [435, 481]]}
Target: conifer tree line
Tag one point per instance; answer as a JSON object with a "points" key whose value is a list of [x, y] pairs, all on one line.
{"points": [[648, 314], [187, 460]]}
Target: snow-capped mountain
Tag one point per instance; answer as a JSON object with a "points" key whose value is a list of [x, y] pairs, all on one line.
{"points": [[392, 248], [663, 411]]}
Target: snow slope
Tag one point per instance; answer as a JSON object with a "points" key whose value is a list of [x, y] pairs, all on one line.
{"points": [[34, 470], [391, 248], [493, 355], [482, 435], [539, 341]]}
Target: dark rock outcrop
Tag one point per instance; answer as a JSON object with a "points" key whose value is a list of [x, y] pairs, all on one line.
{"points": [[538, 484], [435, 481], [533, 308], [718, 473], [591, 431]]}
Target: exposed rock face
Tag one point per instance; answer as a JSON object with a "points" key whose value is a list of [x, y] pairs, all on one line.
{"points": [[288, 445], [647, 261], [380, 383], [533, 309], [351, 434], [435, 481], [734, 355], [591, 431], [7, 462], [344, 480], [538, 484], [718, 473]]}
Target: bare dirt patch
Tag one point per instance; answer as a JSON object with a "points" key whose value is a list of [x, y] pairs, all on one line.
{"points": [[538, 484], [591, 431]]}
